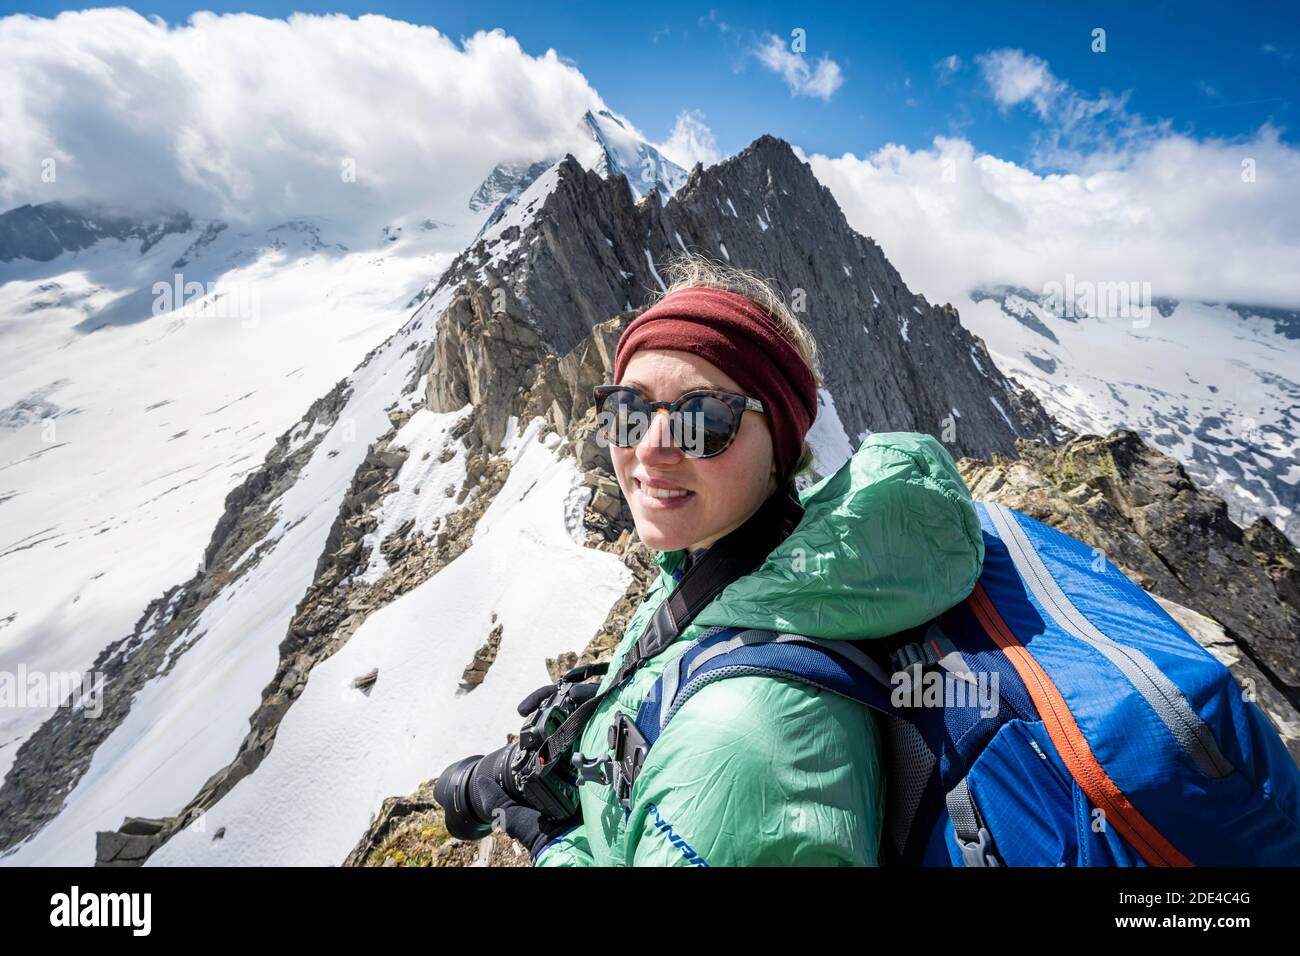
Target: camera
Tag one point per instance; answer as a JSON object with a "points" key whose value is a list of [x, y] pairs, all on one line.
{"points": [[549, 787]]}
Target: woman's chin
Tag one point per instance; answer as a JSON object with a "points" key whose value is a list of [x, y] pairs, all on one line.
{"points": [[660, 538]]}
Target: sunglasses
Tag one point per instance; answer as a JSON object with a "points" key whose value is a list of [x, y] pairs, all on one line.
{"points": [[703, 421]]}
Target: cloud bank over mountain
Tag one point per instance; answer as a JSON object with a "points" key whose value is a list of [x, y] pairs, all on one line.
{"points": [[355, 119]]}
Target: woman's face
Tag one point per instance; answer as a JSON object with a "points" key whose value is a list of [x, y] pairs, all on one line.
{"points": [[722, 491]]}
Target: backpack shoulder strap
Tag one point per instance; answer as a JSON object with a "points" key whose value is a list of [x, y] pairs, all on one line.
{"points": [[720, 653], [837, 666]]}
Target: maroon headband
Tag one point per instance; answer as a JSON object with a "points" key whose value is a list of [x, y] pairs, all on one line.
{"points": [[741, 339]]}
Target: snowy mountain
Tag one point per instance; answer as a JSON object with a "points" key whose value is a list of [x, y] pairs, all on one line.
{"points": [[425, 487], [394, 568], [620, 152], [609, 149], [1216, 386], [502, 187], [507, 180]]}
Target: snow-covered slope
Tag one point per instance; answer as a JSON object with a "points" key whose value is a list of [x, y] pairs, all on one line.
{"points": [[189, 721], [1215, 386], [121, 430], [340, 751], [502, 187]]}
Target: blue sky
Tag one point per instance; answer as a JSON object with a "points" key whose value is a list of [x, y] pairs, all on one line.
{"points": [[1209, 69]]}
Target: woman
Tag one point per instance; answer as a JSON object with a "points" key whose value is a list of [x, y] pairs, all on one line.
{"points": [[758, 770]]}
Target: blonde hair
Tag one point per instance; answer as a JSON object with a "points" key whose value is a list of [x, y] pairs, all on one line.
{"points": [[693, 271]]}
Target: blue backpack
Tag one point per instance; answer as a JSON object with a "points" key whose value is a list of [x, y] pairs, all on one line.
{"points": [[1056, 717]]}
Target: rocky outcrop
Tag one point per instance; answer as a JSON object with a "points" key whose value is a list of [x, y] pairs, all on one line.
{"points": [[411, 831], [1139, 508], [484, 658], [891, 360], [479, 348]]}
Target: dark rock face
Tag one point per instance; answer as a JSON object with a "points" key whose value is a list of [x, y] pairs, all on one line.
{"points": [[916, 367], [1139, 507], [483, 357], [891, 360], [130, 845], [53, 228]]}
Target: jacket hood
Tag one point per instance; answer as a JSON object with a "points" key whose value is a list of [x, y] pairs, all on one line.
{"points": [[888, 542]]}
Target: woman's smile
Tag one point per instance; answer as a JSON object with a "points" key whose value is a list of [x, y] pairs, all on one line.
{"points": [[658, 494]]}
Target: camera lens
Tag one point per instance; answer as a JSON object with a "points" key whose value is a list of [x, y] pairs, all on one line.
{"points": [[459, 792], [453, 792]]}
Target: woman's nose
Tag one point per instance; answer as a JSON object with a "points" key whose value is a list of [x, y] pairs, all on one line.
{"points": [[657, 446]]}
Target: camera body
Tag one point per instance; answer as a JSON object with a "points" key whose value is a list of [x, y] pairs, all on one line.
{"points": [[550, 787]]}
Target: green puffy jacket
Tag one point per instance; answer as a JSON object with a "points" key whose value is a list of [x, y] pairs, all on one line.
{"points": [[760, 770]]}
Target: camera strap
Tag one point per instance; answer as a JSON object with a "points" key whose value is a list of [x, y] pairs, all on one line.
{"points": [[732, 557]]}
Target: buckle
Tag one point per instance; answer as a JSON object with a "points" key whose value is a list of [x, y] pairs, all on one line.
{"points": [[911, 655], [630, 748], [934, 648], [588, 769], [978, 852]]}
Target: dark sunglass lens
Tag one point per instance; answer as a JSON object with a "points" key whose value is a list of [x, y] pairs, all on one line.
{"points": [[707, 425], [623, 418]]}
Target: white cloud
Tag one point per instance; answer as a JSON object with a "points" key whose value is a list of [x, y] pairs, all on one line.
{"points": [[713, 20], [690, 141], [1172, 211], [1075, 125], [948, 67], [1016, 77], [252, 118], [821, 81]]}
